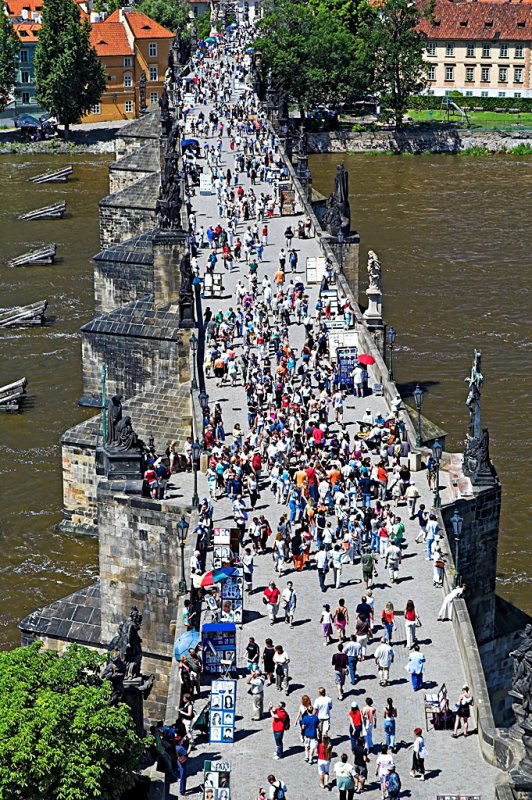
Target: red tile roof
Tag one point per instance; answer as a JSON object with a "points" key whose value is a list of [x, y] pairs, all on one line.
{"points": [[142, 26], [109, 39], [27, 32], [484, 20], [14, 7]]}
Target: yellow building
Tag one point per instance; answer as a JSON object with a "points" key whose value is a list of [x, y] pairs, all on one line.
{"points": [[481, 49], [129, 43]]}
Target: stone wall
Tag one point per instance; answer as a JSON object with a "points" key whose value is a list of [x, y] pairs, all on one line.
{"points": [[78, 448], [123, 273], [128, 212], [139, 164], [444, 140]]}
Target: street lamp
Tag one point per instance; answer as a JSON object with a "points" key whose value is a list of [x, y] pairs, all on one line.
{"points": [[392, 336], [196, 454], [204, 403], [182, 532], [437, 451], [418, 397], [341, 240], [457, 522], [194, 350]]}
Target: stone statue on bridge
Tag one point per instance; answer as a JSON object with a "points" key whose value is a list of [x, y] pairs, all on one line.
{"points": [[113, 415], [521, 691], [338, 211], [129, 644], [475, 382], [477, 463], [374, 272]]}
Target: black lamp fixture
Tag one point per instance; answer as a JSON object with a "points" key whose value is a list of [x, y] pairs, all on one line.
{"points": [[182, 533], [194, 350], [203, 398], [437, 451], [418, 397], [392, 336], [457, 522]]}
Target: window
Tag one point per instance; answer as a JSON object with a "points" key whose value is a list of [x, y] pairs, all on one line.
{"points": [[96, 108], [26, 98], [518, 75], [431, 74], [152, 49], [128, 106], [503, 75], [484, 94], [154, 97], [519, 51], [503, 52], [469, 93], [431, 49], [24, 77], [153, 74], [486, 50], [449, 49], [502, 94], [485, 76], [449, 73], [517, 94], [23, 56], [470, 51], [128, 81], [470, 74], [127, 61]]}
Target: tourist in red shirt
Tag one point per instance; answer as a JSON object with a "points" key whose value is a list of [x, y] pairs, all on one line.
{"points": [[280, 723], [271, 597]]}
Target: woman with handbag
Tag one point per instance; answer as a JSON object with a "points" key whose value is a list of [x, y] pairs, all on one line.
{"points": [[438, 566], [463, 711]]}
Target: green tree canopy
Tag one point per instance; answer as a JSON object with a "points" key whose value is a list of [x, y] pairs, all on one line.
{"points": [[171, 14], [59, 738], [9, 50], [69, 77], [399, 70], [312, 55]]}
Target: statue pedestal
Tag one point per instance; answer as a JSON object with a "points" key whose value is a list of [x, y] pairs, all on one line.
{"points": [[373, 313], [122, 464], [347, 255]]}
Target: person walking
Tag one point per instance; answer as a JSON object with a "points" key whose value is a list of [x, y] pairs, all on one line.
{"points": [[281, 661], [416, 667], [310, 730], [418, 755], [339, 662], [257, 681], [412, 495], [322, 707], [362, 629], [410, 623], [353, 651], [382, 764], [463, 711], [341, 619], [278, 789], [326, 624], [271, 597], [182, 766], [392, 560], [369, 716], [345, 783], [280, 724], [361, 759], [392, 783], [388, 621], [324, 761], [289, 603], [267, 660], [384, 656], [322, 564], [369, 569], [389, 716]]}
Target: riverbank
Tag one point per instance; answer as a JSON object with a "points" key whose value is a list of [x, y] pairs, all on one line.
{"points": [[417, 141], [84, 139]]}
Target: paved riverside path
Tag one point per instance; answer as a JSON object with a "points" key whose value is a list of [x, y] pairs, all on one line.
{"points": [[453, 766]]}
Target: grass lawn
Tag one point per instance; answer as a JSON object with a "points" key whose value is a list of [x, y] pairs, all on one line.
{"points": [[482, 119]]}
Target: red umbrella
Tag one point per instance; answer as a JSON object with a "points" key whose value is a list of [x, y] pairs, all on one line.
{"points": [[365, 358]]}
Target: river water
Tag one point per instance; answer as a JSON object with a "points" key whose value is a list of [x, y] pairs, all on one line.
{"points": [[37, 564], [453, 237]]}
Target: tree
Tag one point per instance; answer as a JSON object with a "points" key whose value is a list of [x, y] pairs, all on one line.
{"points": [[399, 70], [69, 77], [59, 737], [171, 14], [313, 58], [9, 50]]}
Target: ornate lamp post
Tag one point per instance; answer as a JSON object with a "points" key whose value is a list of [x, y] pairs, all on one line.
{"points": [[196, 455], [182, 532], [341, 240], [457, 522], [204, 403], [418, 397], [437, 451], [194, 350], [392, 336]]}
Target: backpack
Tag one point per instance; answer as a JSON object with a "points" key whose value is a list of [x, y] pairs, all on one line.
{"points": [[287, 727], [279, 793], [393, 783]]}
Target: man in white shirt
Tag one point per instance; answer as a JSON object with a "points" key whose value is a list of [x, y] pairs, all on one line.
{"points": [[384, 656], [257, 681], [322, 564], [322, 707], [357, 380], [353, 651], [393, 559]]}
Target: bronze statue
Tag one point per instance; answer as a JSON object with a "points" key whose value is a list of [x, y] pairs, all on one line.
{"points": [[475, 381], [130, 644], [338, 212], [522, 679], [114, 415], [126, 437]]}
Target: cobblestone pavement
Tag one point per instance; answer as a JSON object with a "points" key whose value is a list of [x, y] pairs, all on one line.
{"points": [[453, 766]]}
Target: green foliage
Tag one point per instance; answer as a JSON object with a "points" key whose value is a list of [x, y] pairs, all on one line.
{"points": [[312, 56], [9, 50], [425, 101], [203, 26], [476, 151], [59, 738], [69, 77], [522, 149], [171, 14], [397, 47]]}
